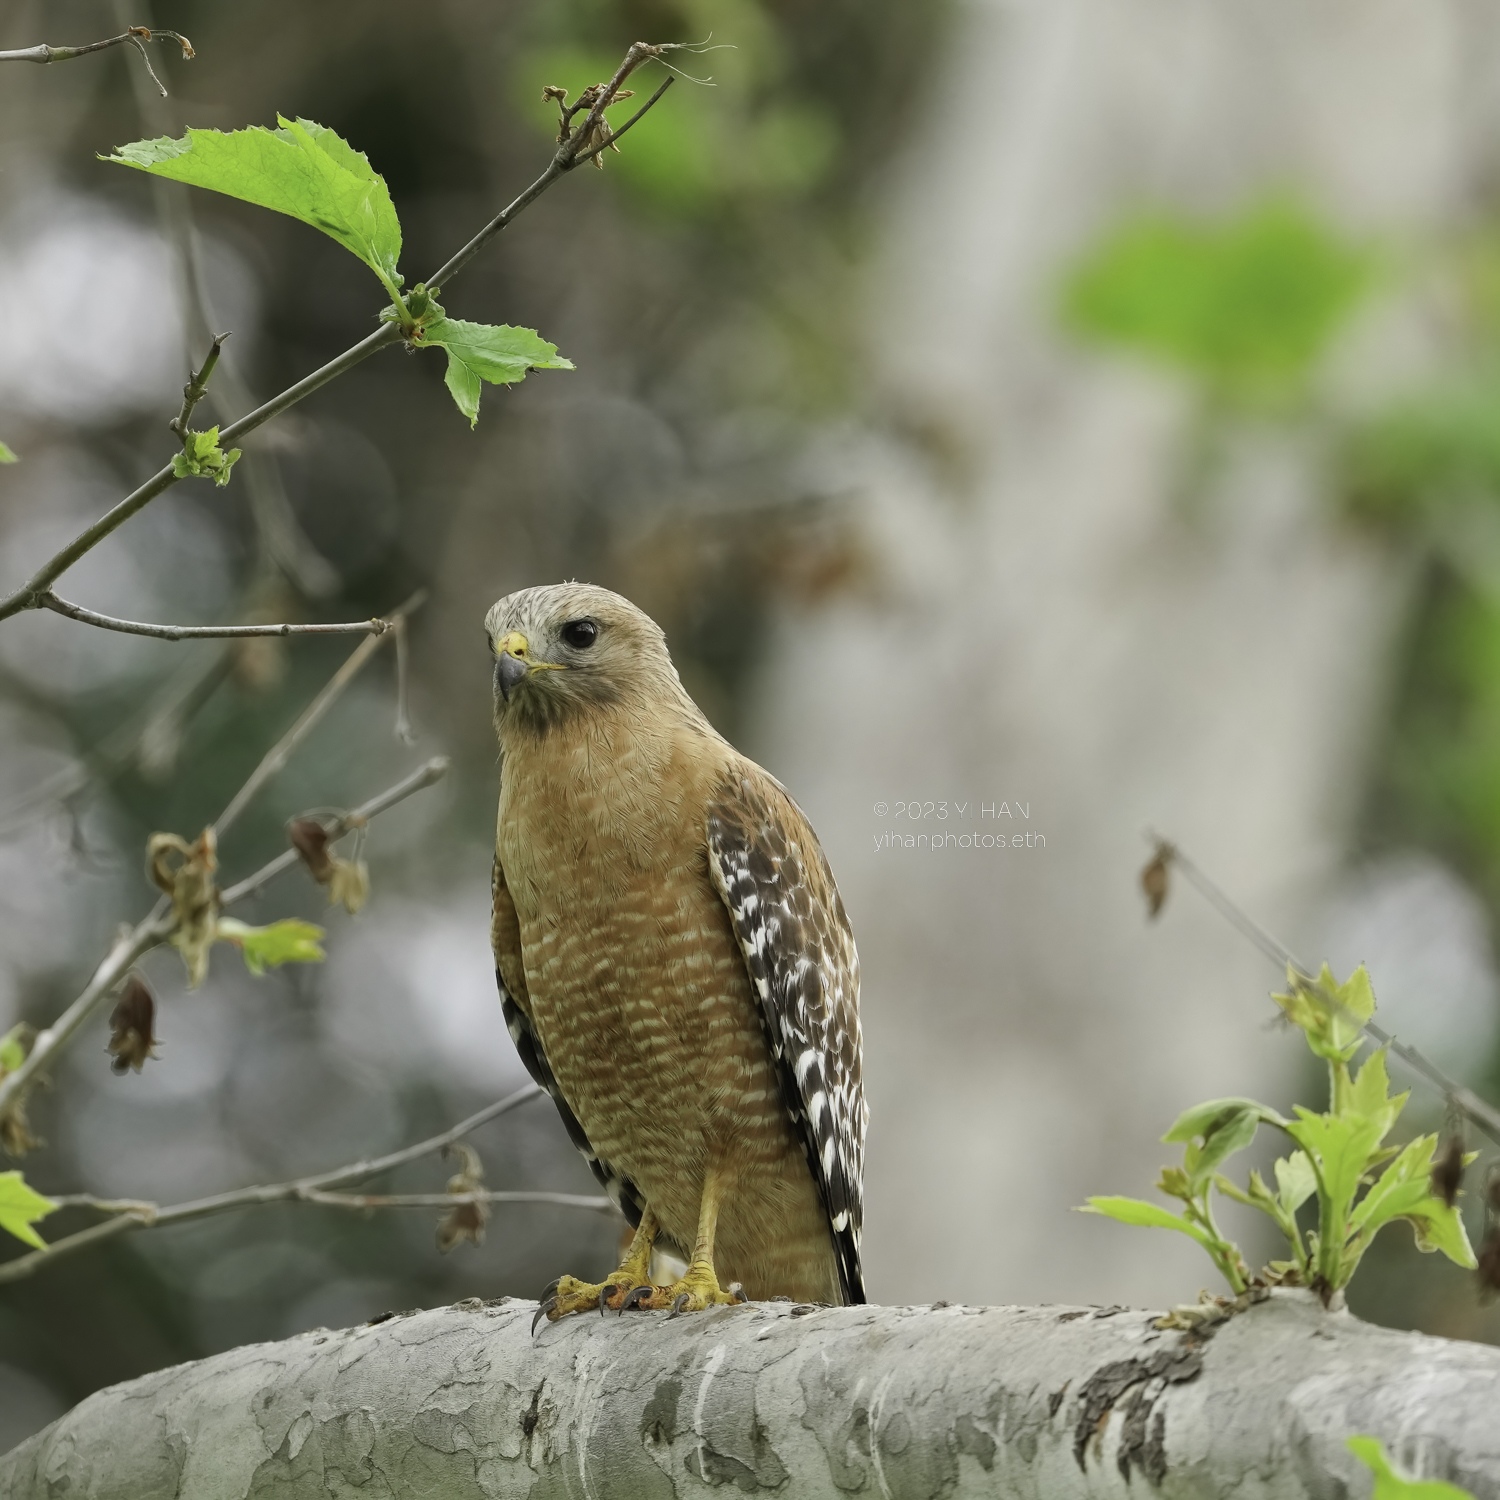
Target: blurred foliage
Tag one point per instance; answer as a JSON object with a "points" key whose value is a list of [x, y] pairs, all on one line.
{"points": [[1246, 306]]}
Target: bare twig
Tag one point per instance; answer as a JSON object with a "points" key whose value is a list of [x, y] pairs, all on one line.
{"points": [[368, 1201], [29, 595], [49, 600], [276, 757], [303, 1190], [566, 157], [155, 929], [196, 389], [1483, 1115], [135, 36]]}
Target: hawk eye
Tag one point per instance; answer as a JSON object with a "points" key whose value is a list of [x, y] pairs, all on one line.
{"points": [[580, 634]]}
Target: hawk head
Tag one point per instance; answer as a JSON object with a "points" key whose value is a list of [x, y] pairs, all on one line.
{"points": [[566, 648]]}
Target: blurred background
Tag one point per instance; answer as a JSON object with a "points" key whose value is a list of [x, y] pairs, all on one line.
{"points": [[1065, 417]]}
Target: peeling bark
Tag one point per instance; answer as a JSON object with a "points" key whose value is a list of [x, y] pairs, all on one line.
{"points": [[911, 1402]]}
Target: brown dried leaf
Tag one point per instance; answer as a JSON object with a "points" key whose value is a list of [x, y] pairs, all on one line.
{"points": [[1448, 1169], [1154, 879], [310, 839], [16, 1138], [186, 873], [132, 1027], [464, 1221], [349, 885], [552, 91]]}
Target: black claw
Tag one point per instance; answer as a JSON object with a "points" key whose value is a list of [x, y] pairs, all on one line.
{"points": [[603, 1300], [737, 1292], [634, 1297], [551, 1287], [542, 1310], [679, 1303]]}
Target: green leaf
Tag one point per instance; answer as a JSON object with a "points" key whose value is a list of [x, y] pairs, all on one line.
{"points": [[1225, 1125], [202, 458], [1370, 1091], [12, 1049], [302, 169], [1205, 1119], [21, 1207], [1147, 1215], [1247, 306], [285, 942], [1331, 1015], [1340, 1146], [1391, 1483], [1296, 1181], [8, 455], [1404, 1191], [493, 352]]}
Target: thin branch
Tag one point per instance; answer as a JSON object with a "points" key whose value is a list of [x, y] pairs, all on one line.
{"points": [[424, 776], [578, 161], [153, 930], [196, 389], [564, 160], [1480, 1113], [49, 600], [136, 36], [368, 1201], [302, 1190], [29, 595], [276, 757]]}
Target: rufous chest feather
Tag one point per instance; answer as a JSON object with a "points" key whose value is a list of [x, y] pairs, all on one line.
{"points": [[596, 810]]}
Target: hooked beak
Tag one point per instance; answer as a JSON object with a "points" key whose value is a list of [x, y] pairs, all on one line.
{"points": [[514, 663], [509, 670]]}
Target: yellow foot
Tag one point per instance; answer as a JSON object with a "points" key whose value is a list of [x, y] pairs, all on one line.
{"points": [[699, 1288], [625, 1291]]}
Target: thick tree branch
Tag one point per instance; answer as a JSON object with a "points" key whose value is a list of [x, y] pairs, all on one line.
{"points": [[318, 1189], [1028, 1403]]}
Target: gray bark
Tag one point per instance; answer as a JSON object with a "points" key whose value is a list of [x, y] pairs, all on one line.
{"points": [[897, 1401]]}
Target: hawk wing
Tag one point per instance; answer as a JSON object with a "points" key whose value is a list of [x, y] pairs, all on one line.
{"points": [[510, 975], [769, 870]]}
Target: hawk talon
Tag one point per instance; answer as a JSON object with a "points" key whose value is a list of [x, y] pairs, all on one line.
{"points": [[737, 1291], [679, 1304], [544, 1310], [637, 1296]]}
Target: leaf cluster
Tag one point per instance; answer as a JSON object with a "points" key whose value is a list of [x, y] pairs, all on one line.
{"points": [[311, 173], [1360, 1183]]}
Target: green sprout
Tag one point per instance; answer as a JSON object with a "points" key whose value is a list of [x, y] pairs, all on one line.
{"points": [[1360, 1183]]}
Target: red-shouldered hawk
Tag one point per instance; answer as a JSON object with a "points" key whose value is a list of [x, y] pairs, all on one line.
{"points": [[675, 965]]}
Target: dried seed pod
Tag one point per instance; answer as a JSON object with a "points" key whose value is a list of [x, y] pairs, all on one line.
{"points": [[186, 873], [310, 839], [464, 1221], [1154, 879], [1448, 1168], [132, 1027]]}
